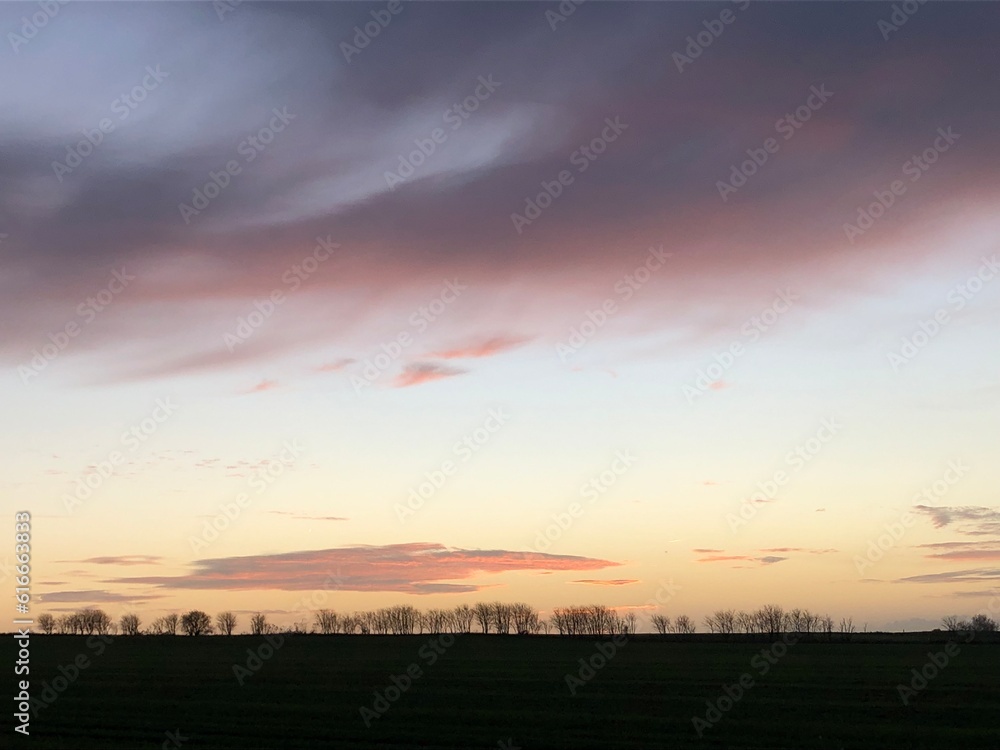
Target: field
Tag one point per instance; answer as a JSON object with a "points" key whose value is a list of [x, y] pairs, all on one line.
{"points": [[506, 692]]}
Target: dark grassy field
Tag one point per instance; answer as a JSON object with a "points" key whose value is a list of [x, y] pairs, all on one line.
{"points": [[483, 690]]}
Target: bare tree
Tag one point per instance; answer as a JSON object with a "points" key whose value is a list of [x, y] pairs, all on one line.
{"points": [[629, 624], [171, 622], [770, 619], [847, 626], [462, 617], [196, 622], [46, 623], [746, 622], [349, 624], [226, 622], [364, 622], [93, 621], [503, 617], [684, 624], [484, 616], [722, 621], [954, 623], [404, 620], [661, 623], [129, 624], [826, 624], [166, 625], [258, 624], [559, 620], [525, 617], [326, 621]]}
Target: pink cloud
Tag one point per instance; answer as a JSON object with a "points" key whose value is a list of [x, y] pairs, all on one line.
{"points": [[336, 366], [264, 385], [425, 372], [414, 568], [486, 348]]}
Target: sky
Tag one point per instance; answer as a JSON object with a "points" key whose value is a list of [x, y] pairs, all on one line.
{"points": [[667, 306]]}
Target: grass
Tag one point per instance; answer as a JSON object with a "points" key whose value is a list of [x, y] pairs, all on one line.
{"points": [[483, 690]]}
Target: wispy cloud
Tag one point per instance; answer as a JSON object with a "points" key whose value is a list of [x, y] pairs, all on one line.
{"points": [[415, 568], [119, 560], [607, 582], [487, 348], [718, 555], [263, 385], [975, 575], [971, 551], [770, 559], [336, 366], [94, 596], [975, 520], [425, 372], [978, 594], [811, 551], [306, 517]]}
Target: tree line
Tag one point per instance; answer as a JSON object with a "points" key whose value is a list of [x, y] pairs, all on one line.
{"points": [[486, 617], [501, 618], [772, 619]]}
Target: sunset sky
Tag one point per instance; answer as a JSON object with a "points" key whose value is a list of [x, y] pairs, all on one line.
{"points": [[646, 316]]}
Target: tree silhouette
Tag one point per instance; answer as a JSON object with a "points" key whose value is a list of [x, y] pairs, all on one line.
{"points": [[462, 618], [46, 623], [226, 622], [661, 623], [326, 621], [196, 622], [684, 624], [258, 624], [166, 625], [484, 616], [129, 624], [983, 624]]}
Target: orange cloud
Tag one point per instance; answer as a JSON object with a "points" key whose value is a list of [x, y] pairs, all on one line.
{"points": [[487, 348], [425, 372], [264, 385]]}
